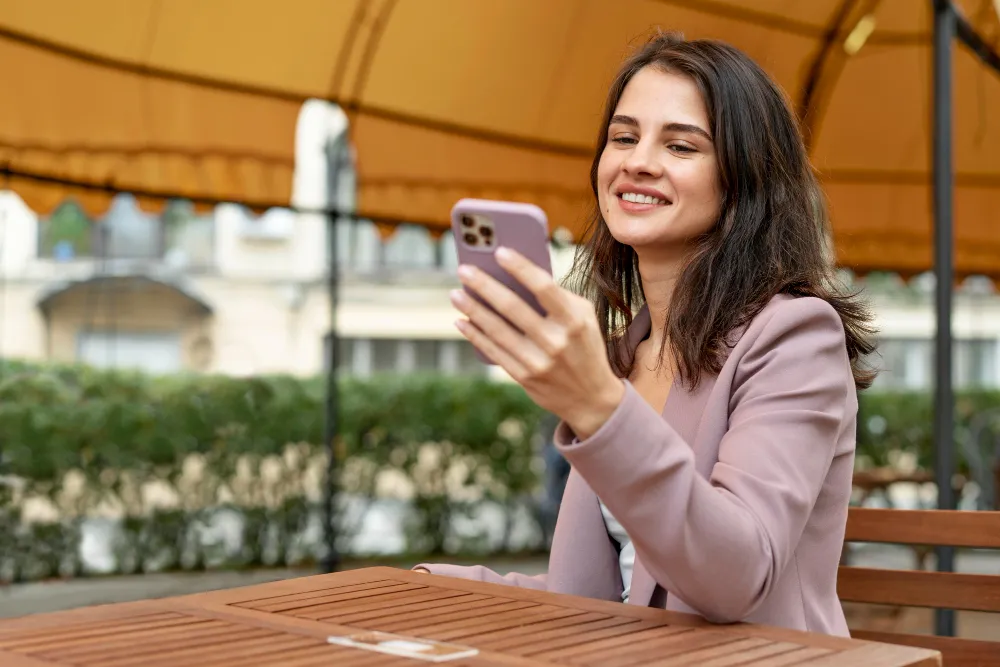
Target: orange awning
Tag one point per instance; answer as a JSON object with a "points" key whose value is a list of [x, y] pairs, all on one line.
{"points": [[452, 98]]}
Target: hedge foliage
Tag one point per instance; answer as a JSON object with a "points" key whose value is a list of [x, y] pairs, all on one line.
{"points": [[254, 444], [89, 441], [895, 422]]}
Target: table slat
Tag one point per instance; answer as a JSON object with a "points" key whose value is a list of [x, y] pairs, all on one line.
{"points": [[590, 646], [449, 615]]}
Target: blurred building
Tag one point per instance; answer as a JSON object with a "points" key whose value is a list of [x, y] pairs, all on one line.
{"points": [[231, 292], [225, 292], [905, 319], [228, 291]]}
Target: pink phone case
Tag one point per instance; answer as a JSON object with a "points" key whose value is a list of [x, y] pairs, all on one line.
{"points": [[481, 226]]}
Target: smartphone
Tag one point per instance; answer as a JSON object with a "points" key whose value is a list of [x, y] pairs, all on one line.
{"points": [[481, 226]]}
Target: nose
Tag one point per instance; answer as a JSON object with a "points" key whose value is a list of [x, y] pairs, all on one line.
{"points": [[642, 160]]}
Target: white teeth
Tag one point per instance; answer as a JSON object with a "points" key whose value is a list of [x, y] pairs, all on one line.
{"points": [[641, 199]]}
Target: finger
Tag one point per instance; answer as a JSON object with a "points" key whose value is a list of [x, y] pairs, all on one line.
{"points": [[515, 343], [503, 299], [538, 281], [497, 355]]}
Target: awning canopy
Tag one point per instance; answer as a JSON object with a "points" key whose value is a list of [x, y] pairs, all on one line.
{"points": [[451, 98]]}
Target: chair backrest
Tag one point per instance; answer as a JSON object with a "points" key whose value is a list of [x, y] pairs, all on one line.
{"points": [[942, 590]]}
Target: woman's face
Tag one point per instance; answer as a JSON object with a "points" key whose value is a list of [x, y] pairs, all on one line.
{"points": [[658, 178]]}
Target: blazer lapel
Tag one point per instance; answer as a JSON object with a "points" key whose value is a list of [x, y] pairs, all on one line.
{"points": [[583, 560], [683, 411]]}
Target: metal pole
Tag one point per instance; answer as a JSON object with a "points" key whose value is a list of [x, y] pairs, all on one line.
{"points": [[944, 464], [331, 561]]}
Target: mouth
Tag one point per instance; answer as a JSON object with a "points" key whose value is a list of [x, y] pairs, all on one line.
{"points": [[634, 199], [637, 198]]}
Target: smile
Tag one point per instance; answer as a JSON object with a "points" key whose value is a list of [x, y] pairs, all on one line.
{"points": [[633, 202], [641, 199]]}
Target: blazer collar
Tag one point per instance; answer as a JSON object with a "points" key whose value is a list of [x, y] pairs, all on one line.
{"points": [[683, 410], [639, 329]]}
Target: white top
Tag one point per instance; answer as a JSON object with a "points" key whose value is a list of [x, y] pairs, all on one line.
{"points": [[626, 551]]}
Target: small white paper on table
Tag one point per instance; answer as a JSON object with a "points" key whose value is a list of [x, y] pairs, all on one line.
{"points": [[405, 647]]}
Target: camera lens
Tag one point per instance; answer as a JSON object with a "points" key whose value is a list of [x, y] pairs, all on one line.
{"points": [[470, 238], [467, 221], [485, 232]]}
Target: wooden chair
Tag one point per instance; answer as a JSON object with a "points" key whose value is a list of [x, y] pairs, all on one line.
{"points": [[943, 590]]}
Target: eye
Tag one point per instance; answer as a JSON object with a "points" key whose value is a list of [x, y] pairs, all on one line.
{"points": [[625, 140], [681, 148]]}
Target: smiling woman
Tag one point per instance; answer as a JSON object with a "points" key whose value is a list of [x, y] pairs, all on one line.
{"points": [[707, 386]]}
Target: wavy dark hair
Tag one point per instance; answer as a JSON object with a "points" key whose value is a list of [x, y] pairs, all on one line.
{"points": [[772, 235]]}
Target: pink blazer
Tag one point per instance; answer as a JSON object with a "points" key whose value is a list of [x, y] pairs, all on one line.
{"points": [[735, 497]]}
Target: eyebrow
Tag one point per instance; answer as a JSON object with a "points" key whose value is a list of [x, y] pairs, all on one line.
{"points": [[670, 127]]}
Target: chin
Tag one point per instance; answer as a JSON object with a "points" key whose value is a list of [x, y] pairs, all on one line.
{"points": [[639, 232]]}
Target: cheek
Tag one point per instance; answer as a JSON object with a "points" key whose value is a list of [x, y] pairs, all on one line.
{"points": [[702, 186], [701, 195]]}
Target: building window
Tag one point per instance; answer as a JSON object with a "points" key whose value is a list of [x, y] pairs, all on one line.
{"points": [[126, 232], [410, 247], [360, 248], [975, 363], [448, 253], [129, 233], [904, 364], [384, 358], [190, 237], [363, 357], [67, 234], [908, 363], [152, 352], [426, 357], [467, 358]]}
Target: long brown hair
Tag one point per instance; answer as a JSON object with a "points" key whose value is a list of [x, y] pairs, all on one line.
{"points": [[772, 235]]}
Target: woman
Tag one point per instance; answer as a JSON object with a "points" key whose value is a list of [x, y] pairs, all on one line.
{"points": [[713, 447]]}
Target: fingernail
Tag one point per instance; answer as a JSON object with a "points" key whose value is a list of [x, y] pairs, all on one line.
{"points": [[503, 253], [458, 297], [465, 271]]}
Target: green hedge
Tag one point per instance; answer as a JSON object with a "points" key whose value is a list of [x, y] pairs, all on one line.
{"points": [[89, 440], [53, 420], [903, 422], [458, 441]]}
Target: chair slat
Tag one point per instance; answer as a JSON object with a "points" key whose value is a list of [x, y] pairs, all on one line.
{"points": [[945, 590], [955, 651], [931, 527]]}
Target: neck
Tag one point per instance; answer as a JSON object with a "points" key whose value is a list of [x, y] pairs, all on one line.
{"points": [[659, 276]]}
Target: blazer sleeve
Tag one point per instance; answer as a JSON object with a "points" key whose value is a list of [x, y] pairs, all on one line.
{"points": [[721, 544], [582, 561], [485, 574]]}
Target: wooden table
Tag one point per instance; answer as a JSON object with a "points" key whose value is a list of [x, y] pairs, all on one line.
{"points": [[288, 623]]}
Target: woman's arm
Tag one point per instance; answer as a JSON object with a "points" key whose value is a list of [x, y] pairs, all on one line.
{"points": [[587, 559], [721, 544]]}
